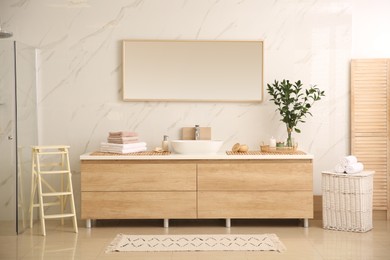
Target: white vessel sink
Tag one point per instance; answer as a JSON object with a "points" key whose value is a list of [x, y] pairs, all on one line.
{"points": [[196, 146]]}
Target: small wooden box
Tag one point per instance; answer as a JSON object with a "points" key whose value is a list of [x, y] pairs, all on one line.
{"points": [[188, 133]]}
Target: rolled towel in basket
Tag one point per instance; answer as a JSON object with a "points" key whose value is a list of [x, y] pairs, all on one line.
{"points": [[354, 168], [339, 168], [348, 160]]}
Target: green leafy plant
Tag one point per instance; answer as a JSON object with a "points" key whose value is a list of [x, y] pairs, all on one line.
{"points": [[293, 103]]}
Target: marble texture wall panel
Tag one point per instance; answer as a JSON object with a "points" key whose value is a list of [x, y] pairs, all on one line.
{"points": [[80, 92]]}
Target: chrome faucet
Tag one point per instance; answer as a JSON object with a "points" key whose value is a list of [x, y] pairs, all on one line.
{"points": [[197, 132]]}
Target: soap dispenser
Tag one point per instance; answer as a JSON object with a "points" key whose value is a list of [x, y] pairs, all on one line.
{"points": [[165, 145]]}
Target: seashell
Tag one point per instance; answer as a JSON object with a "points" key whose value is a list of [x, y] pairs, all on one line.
{"points": [[243, 148], [236, 147]]}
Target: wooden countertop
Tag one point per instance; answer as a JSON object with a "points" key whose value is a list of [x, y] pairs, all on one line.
{"points": [[218, 156]]}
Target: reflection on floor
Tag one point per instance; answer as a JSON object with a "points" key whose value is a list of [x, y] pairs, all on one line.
{"points": [[311, 243]]}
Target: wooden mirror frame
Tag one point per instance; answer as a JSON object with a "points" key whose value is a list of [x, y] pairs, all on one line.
{"points": [[198, 70]]}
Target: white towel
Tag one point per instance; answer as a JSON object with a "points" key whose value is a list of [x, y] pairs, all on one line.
{"points": [[339, 168], [133, 150], [349, 160], [354, 168], [124, 146]]}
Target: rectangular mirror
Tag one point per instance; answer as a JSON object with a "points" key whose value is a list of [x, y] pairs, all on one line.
{"points": [[225, 71]]}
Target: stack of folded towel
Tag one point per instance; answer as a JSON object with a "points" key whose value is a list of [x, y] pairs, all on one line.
{"points": [[122, 137], [349, 164], [123, 142]]}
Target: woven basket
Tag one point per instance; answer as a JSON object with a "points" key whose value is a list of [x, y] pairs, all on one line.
{"points": [[347, 201]]}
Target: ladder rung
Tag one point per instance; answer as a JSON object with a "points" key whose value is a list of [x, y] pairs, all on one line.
{"points": [[52, 194], [47, 204], [52, 172], [60, 215], [40, 147], [49, 164], [59, 152]]}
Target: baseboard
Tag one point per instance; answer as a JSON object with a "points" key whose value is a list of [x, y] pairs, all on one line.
{"points": [[317, 208]]}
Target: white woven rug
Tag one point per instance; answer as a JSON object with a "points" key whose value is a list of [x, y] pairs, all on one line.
{"points": [[229, 242]]}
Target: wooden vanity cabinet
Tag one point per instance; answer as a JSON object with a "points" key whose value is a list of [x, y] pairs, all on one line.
{"points": [[175, 189], [255, 189], [137, 190]]}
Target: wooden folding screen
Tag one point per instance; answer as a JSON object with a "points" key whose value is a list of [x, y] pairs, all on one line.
{"points": [[370, 123]]}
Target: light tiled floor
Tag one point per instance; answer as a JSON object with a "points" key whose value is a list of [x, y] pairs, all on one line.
{"points": [[302, 243]]}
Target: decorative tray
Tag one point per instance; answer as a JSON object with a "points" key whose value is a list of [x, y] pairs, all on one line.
{"points": [[152, 153], [270, 152]]}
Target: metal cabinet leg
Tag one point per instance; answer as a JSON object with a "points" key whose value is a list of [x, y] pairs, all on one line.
{"points": [[228, 222], [166, 222], [88, 223], [305, 222]]}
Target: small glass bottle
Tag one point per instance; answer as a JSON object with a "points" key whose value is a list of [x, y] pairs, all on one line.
{"points": [[165, 144]]}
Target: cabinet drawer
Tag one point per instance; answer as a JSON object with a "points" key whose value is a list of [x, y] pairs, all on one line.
{"points": [[137, 205], [260, 204], [280, 175], [122, 176]]}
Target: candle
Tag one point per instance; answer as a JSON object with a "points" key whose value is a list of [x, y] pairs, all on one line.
{"points": [[272, 142]]}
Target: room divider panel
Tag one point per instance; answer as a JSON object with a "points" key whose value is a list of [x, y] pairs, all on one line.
{"points": [[370, 123], [18, 131]]}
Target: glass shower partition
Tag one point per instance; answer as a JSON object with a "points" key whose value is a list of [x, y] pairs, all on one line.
{"points": [[18, 132]]}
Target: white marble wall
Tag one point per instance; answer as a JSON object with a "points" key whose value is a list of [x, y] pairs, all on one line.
{"points": [[80, 73], [371, 22]]}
